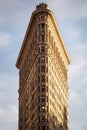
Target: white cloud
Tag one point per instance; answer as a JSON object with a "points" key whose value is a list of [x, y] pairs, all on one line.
{"points": [[8, 117], [77, 87], [70, 8], [5, 39], [8, 102]]}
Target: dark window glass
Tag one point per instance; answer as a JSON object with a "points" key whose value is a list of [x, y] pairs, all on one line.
{"points": [[39, 108], [39, 69], [38, 59], [39, 50], [38, 78], [43, 119], [42, 49], [43, 88], [39, 98], [43, 78], [43, 25], [43, 59], [39, 119], [42, 68], [39, 128], [42, 98], [43, 128], [42, 38], [38, 88]]}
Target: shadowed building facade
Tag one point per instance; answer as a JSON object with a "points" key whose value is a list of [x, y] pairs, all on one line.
{"points": [[42, 64]]}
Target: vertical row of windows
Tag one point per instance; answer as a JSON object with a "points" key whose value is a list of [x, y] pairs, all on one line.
{"points": [[41, 27], [42, 77], [42, 30], [42, 35]]}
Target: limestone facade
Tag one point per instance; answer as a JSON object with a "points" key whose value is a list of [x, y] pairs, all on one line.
{"points": [[42, 64]]}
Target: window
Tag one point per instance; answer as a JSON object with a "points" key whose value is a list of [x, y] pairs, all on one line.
{"points": [[42, 38], [39, 69], [39, 127], [39, 98], [43, 25], [43, 128], [42, 78], [42, 49], [47, 128], [38, 88], [42, 98], [43, 88], [43, 119], [42, 59], [42, 17], [43, 108], [38, 108], [38, 78], [39, 119], [42, 68], [38, 59], [39, 50]]}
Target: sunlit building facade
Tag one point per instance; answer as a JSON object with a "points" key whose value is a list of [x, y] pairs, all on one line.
{"points": [[42, 64]]}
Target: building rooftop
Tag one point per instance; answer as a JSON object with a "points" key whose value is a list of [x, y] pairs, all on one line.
{"points": [[42, 6]]}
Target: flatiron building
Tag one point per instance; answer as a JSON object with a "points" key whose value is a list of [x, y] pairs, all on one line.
{"points": [[43, 85]]}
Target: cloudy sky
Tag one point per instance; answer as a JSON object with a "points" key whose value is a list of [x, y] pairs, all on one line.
{"points": [[71, 16]]}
